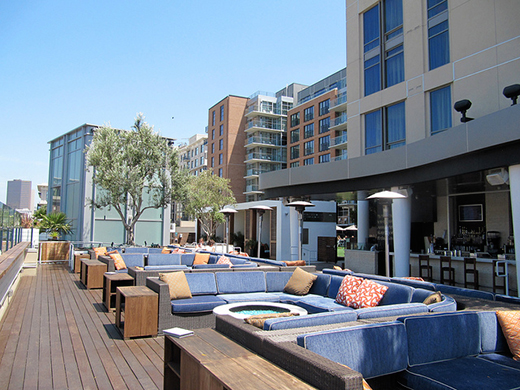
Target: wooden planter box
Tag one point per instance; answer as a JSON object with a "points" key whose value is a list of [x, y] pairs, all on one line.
{"points": [[58, 250]]}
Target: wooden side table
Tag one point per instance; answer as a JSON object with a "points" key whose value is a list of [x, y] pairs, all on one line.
{"points": [[77, 262], [91, 274], [111, 281], [208, 361], [140, 306]]}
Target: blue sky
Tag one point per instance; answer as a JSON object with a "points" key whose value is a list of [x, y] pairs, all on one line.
{"points": [[65, 63]]}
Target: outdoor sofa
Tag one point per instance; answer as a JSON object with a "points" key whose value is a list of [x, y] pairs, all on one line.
{"points": [[210, 290]]}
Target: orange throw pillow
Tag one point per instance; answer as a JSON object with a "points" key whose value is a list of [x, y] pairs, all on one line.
{"points": [[201, 258], [509, 321], [368, 294], [119, 263], [166, 250], [100, 251], [295, 263], [347, 291]]}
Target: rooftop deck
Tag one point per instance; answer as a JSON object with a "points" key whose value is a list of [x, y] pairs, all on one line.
{"points": [[58, 335]]}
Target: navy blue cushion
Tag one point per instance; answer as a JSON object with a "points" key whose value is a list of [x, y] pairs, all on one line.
{"points": [[414, 283], [372, 350], [493, 339], [396, 293], [317, 304], [335, 283], [507, 298], [240, 282], [165, 268], [202, 283], [320, 285], [276, 281], [338, 272], [467, 373], [136, 250], [465, 292], [442, 336], [133, 259], [214, 266], [245, 265], [310, 320], [155, 250], [197, 304], [504, 360], [391, 310], [187, 258], [164, 259], [237, 261], [420, 294], [372, 277]]}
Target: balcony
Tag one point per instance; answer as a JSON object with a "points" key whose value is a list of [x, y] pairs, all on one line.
{"points": [[262, 141], [340, 157], [339, 142], [339, 123], [273, 112], [252, 189], [264, 157], [270, 126], [339, 104]]}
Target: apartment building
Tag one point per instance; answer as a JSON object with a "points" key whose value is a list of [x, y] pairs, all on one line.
{"points": [[427, 115], [193, 155], [317, 125]]}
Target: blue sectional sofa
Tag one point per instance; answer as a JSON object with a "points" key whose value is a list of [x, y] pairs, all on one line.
{"points": [[461, 350], [210, 290]]}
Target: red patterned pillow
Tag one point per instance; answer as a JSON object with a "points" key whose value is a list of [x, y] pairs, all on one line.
{"points": [[368, 294], [347, 290], [224, 260]]}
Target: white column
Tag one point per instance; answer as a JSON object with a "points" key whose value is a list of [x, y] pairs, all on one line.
{"points": [[514, 193], [362, 218], [401, 222]]}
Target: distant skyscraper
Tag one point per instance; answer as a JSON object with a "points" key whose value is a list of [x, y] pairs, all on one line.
{"points": [[19, 194]]}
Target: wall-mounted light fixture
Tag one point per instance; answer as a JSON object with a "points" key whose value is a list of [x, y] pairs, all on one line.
{"points": [[512, 92], [462, 106]]}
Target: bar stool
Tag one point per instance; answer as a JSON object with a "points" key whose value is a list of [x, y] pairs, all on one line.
{"points": [[470, 267], [449, 269], [424, 265], [499, 271]]}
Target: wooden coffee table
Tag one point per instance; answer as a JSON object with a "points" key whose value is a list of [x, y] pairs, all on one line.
{"points": [[91, 274], [140, 306], [111, 281]]}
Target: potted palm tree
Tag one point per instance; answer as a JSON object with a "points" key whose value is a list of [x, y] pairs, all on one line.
{"points": [[56, 224]]}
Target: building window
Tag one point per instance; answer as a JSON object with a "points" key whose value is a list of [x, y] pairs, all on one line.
{"points": [[221, 113], [440, 109], [308, 148], [295, 152], [221, 132], [324, 107], [385, 128], [220, 159], [324, 125], [213, 134], [386, 16], [202, 161], [213, 148], [213, 118], [295, 164], [220, 144], [325, 158], [220, 172], [438, 33], [295, 135], [308, 130], [308, 161], [324, 143], [295, 119], [212, 162], [308, 114], [196, 151]]}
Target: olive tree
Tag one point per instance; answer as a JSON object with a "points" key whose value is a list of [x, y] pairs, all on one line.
{"points": [[208, 194], [133, 171]]}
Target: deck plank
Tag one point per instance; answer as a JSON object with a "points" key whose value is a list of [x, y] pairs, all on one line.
{"points": [[56, 334]]}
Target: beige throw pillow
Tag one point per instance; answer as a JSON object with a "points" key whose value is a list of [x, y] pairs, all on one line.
{"points": [[300, 282], [178, 284]]}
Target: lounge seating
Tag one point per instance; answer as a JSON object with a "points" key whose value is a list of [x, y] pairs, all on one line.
{"points": [[212, 289], [462, 350]]}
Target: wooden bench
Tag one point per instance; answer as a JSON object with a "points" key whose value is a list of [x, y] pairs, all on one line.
{"points": [[208, 360]]}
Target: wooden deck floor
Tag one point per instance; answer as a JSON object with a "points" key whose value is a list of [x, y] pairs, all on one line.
{"points": [[57, 335]]}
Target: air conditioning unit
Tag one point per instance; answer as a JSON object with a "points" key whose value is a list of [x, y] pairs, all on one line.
{"points": [[498, 177]]}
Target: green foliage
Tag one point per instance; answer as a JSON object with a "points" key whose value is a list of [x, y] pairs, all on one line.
{"points": [[38, 216], [56, 224], [131, 166], [208, 194]]}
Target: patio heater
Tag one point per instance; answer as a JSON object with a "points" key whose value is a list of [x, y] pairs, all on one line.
{"points": [[300, 207], [385, 198], [260, 210], [227, 211]]}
